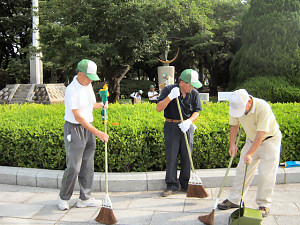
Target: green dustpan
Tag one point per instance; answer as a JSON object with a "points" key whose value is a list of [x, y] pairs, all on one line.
{"points": [[243, 215]]}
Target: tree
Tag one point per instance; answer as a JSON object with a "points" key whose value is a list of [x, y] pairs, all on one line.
{"points": [[131, 31], [215, 45], [270, 45], [225, 41], [15, 37], [65, 30], [119, 35], [115, 34], [189, 26], [208, 34]]}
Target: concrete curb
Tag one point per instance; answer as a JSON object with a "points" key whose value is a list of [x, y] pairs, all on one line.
{"points": [[128, 182]]}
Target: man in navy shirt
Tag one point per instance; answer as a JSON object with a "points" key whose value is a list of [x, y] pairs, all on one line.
{"points": [[174, 129]]}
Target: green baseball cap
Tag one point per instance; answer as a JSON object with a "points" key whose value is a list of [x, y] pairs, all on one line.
{"points": [[191, 76], [89, 68], [151, 86]]}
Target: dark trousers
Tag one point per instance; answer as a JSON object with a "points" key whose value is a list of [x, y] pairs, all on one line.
{"points": [[175, 145]]}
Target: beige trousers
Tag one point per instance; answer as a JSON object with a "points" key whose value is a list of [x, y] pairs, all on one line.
{"points": [[266, 159]]}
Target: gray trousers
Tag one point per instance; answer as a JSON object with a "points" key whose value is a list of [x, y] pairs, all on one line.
{"points": [[175, 145], [80, 152]]}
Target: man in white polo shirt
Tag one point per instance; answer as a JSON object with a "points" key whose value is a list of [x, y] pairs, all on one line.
{"points": [[79, 135], [262, 148], [152, 94]]}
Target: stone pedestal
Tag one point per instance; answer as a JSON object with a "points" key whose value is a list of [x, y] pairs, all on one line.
{"points": [[33, 93], [170, 71]]}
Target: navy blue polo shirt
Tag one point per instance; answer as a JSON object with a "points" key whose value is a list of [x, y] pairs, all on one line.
{"points": [[190, 104]]}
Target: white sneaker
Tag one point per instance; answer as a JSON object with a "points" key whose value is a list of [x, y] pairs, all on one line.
{"points": [[88, 203], [62, 204]]}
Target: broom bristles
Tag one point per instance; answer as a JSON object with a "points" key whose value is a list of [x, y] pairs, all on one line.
{"points": [[106, 216], [196, 191], [207, 219]]}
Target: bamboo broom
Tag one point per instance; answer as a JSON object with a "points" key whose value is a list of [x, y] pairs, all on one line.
{"points": [[106, 214], [195, 187], [209, 219]]}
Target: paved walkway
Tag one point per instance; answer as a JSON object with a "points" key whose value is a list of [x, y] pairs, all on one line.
{"points": [[35, 205]]}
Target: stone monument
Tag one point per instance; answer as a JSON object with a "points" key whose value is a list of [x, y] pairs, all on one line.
{"points": [[166, 72], [36, 91]]}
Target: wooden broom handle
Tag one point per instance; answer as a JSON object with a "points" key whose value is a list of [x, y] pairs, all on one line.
{"points": [[106, 161], [185, 136], [229, 165]]}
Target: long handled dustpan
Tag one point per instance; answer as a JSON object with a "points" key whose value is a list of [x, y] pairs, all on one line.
{"points": [[209, 219], [106, 214], [195, 187], [243, 215]]}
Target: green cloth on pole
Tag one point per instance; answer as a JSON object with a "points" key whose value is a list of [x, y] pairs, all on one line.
{"points": [[103, 95]]}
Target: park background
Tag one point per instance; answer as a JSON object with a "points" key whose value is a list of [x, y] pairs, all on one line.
{"points": [[250, 44]]}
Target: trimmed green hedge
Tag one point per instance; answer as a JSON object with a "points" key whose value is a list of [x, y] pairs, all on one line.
{"points": [[32, 136]]}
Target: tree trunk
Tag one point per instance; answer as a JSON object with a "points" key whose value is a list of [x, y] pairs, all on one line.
{"points": [[114, 77], [213, 84], [201, 73]]}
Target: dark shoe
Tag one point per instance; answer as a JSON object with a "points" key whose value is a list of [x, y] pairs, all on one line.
{"points": [[182, 189], [264, 210], [167, 193], [226, 204]]}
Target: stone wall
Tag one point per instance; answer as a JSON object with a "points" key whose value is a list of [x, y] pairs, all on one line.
{"points": [[5, 93], [35, 93]]}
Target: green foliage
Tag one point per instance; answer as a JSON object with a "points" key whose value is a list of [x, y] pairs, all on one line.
{"points": [[15, 38], [270, 43], [273, 89], [136, 141], [121, 36], [112, 33], [32, 136], [211, 40], [5, 78], [287, 116], [19, 70], [65, 35]]}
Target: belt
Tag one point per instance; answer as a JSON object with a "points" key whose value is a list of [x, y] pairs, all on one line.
{"points": [[173, 121], [267, 138], [264, 139]]}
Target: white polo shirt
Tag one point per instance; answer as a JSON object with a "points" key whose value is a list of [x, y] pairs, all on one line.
{"points": [[151, 93], [259, 118], [79, 97]]}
